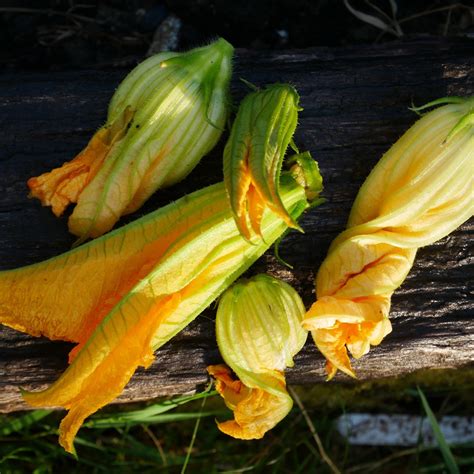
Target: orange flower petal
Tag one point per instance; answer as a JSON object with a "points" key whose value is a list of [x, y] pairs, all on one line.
{"points": [[42, 299], [102, 370], [62, 186], [255, 410], [256, 206]]}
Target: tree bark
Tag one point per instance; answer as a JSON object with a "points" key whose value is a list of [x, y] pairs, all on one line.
{"points": [[355, 106]]}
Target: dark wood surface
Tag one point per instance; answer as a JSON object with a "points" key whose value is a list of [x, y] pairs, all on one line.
{"points": [[355, 106]]}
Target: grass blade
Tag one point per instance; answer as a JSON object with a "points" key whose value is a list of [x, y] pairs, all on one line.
{"points": [[314, 433], [9, 425], [370, 19], [164, 418], [193, 438], [149, 415], [440, 439]]}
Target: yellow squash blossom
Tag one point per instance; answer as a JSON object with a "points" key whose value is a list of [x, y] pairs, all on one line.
{"points": [[253, 156], [258, 328], [164, 117], [124, 295], [420, 191]]}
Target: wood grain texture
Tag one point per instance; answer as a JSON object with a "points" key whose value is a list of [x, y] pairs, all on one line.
{"points": [[355, 106]]}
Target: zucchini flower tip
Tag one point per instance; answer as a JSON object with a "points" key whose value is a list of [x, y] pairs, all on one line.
{"points": [[255, 411], [419, 192], [254, 154], [164, 117], [258, 327]]}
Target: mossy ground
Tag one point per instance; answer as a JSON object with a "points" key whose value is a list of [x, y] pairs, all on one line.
{"points": [[162, 444], [393, 393]]}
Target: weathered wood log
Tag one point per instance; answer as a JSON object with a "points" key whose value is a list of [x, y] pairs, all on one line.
{"points": [[355, 106]]}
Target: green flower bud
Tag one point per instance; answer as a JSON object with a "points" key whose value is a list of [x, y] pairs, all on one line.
{"points": [[253, 156], [259, 332], [164, 117]]}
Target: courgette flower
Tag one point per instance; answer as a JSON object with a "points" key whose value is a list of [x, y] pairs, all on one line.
{"points": [[259, 331], [164, 117], [419, 192], [124, 295], [253, 156]]}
